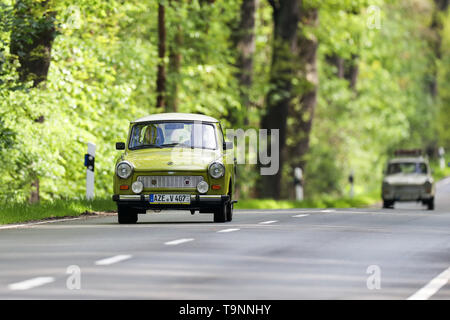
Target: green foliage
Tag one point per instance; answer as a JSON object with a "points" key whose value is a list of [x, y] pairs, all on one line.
{"points": [[103, 74], [437, 172], [391, 106], [443, 117]]}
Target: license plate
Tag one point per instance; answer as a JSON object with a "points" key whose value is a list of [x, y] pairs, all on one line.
{"points": [[170, 198]]}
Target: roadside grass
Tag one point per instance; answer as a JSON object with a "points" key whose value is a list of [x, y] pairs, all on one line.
{"points": [[320, 202], [25, 212], [21, 212]]}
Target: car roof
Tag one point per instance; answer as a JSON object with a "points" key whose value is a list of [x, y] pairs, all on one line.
{"points": [[175, 116], [408, 159]]}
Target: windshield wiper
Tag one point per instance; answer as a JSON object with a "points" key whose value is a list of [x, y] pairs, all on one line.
{"points": [[175, 144], [142, 146]]}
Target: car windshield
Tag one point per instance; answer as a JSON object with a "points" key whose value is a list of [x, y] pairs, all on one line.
{"points": [[173, 134], [407, 167]]}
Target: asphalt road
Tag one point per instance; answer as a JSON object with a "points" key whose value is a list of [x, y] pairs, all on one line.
{"points": [[371, 253]]}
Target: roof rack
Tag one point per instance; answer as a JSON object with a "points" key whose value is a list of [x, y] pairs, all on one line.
{"points": [[408, 152]]}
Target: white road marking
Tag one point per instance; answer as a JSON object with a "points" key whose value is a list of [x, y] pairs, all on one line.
{"points": [[300, 215], [30, 283], [228, 230], [328, 210], [179, 241], [112, 260], [268, 222], [14, 226], [432, 287]]}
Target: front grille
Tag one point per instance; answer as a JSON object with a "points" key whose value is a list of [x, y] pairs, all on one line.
{"points": [[168, 182], [408, 189]]}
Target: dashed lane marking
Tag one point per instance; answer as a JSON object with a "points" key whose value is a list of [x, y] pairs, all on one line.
{"points": [[112, 260]]}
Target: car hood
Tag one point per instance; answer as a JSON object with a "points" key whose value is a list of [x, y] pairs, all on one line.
{"points": [[172, 159], [405, 179]]}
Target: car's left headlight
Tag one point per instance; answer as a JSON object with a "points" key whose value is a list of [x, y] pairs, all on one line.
{"points": [[216, 170], [124, 170]]}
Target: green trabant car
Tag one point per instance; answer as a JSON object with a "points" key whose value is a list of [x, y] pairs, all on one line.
{"points": [[175, 161], [407, 177]]}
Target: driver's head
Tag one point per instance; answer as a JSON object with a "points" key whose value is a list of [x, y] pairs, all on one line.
{"points": [[153, 135]]}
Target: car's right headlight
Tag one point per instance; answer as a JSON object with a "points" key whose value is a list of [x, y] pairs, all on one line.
{"points": [[124, 170], [202, 187]]}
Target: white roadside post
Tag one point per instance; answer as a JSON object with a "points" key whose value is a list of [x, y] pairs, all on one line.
{"points": [[441, 157], [89, 163], [298, 175]]}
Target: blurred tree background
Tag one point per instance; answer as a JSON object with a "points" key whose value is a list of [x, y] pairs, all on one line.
{"points": [[346, 82]]}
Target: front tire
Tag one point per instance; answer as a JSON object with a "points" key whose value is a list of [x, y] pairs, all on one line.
{"points": [[126, 215], [388, 204], [430, 204], [229, 211], [220, 213]]}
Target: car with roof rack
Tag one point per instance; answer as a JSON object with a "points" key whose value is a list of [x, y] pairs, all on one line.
{"points": [[175, 161], [408, 177]]}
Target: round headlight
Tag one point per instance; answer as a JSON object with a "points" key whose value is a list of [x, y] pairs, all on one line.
{"points": [[202, 187], [216, 170], [137, 187], [124, 170], [428, 187]]}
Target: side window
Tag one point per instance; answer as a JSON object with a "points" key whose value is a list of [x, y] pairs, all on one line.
{"points": [[422, 168], [209, 137]]}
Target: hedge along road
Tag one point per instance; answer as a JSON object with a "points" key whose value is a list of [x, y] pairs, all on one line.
{"points": [[372, 253]]}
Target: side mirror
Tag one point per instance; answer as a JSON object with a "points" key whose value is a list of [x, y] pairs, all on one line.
{"points": [[227, 145], [120, 145]]}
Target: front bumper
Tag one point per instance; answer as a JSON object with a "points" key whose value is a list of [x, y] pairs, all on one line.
{"points": [[409, 194], [198, 202]]}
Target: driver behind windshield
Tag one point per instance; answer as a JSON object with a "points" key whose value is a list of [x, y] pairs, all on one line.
{"points": [[407, 167]]}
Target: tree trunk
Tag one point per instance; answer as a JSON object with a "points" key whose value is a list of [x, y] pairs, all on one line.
{"points": [[303, 111], [286, 16], [345, 68], [338, 62], [245, 44], [161, 77], [441, 7], [174, 62], [31, 40], [352, 72]]}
